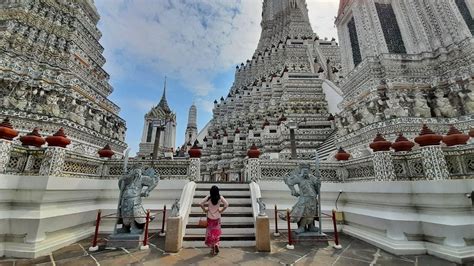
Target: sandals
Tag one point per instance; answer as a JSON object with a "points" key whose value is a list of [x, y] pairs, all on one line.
{"points": [[214, 250]]}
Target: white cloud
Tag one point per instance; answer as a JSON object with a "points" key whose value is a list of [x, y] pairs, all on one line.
{"points": [[190, 40]]}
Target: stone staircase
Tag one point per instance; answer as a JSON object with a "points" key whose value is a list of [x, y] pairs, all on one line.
{"points": [[327, 146], [237, 221]]}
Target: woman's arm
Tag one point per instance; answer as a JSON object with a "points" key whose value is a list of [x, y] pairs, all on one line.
{"points": [[206, 199], [226, 204]]}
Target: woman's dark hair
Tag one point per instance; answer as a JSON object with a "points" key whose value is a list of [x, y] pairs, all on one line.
{"points": [[215, 196]]}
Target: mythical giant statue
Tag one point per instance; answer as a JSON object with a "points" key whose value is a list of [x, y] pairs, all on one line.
{"points": [[133, 187], [305, 211]]}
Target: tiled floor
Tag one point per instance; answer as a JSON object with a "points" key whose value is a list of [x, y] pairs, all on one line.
{"points": [[354, 252]]}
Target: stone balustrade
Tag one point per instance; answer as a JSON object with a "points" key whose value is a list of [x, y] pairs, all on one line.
{"points": [[60, 162], [424, 163]]}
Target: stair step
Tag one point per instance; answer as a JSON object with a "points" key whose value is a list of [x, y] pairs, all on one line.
{"points": [[231, 201], [222, 185], [225, 214], [223, 189], [226, 225], [225, 231], [231, 209], [197, 196], [224, 220], [225, 194], [223, 244], [223, 237], [233, 205]]}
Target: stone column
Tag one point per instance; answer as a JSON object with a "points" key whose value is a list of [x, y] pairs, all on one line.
{"points": [[434, 163], [254, 171], [194, 170], [174, 234], [5, 151], [383, 166], [53, 161], [262, 234]]}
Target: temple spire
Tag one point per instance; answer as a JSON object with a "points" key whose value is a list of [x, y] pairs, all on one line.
{"points": [[163, 102], [282, 19]]}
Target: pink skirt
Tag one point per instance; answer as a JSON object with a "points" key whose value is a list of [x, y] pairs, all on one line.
{"points": [[213, 232]]}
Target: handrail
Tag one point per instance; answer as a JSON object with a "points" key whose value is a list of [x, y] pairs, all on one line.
{"points": [[186, 201], [255, 194]]}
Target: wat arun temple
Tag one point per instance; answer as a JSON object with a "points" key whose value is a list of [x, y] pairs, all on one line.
{"points": [[383, 117]]}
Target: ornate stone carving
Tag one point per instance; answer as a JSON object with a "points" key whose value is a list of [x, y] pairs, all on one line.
{"points": [[53, 161], [17, 97], [434, 163], [383, 166], [5, 150], [254, 170], [194, 169], [420, 105], [78, 113], [443, 107]]}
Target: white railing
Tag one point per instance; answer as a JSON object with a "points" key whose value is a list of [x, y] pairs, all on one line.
{"points": [[186, 202]]}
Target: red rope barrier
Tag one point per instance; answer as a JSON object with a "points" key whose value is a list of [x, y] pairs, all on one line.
{"points": [[96, 232], [276, 222], [145, 239], [163, 222], [336, 236], [290, 242]]}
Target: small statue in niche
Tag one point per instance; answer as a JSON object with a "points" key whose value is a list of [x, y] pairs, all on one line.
{"points": [[420, 105], [352, 121], [443, 107], [394, 107], [51, 106], [341, 129], [305, 211], [133, 187], [468, 99], [78, 113], [95, 122], [17, 97], [367, 116]]}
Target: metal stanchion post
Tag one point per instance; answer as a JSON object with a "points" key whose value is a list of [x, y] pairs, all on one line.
{"points": [[290, 243], [276, 233], [145, 237], [162, 233], [336, 236], [94, 246]]}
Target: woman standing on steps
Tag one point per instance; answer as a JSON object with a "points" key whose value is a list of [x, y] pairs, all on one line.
{"points": [[213, 210]]}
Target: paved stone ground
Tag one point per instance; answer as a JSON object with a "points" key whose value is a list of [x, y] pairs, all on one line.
{"points": [[354, 252]]}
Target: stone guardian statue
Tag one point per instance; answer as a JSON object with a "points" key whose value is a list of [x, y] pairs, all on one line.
{"points": [[133, 187], [306, 209]]}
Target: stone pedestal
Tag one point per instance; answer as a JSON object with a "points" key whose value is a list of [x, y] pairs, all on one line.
{"points": [[174, 234], [434, 163], [5, 149], [128, 241], [194, 170], [262, 234], [383, 166], [53, 161]]}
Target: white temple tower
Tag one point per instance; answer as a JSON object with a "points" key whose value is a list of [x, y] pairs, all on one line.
{"points": [[278, 99], [405, 63], [160, 118], [52, 76], [191, 129]]}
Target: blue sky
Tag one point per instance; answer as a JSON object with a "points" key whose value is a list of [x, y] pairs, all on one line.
{"points": [[195, 43]]}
